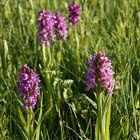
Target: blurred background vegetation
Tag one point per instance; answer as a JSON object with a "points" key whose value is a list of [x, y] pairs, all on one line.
{"points": [[64, 110]]}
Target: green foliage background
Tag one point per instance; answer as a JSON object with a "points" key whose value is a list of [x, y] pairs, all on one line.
{"points": [[64, 110]]}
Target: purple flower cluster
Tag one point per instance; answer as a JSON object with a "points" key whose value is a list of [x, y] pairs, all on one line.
{"points": [[99, 73], [46, 23], [28, 82], [51, 25], [74, 13], [61, 26]]}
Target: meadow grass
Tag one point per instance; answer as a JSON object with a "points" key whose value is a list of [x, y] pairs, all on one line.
{"points": [[64, 109]]}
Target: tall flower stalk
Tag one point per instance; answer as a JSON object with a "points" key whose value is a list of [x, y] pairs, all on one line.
{"points": [[99, 78], [46, 35], [52, 28], [28, 83]]}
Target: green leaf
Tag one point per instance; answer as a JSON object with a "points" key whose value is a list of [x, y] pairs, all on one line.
{"points": [[23, 122], [37, 130], [21, 116], [105, 105]]}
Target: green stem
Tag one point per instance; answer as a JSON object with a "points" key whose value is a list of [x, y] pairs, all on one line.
{"points": [[103, 117], [49, 57], [59, 54], [77, 48], [58, 95], [49, 89], [30, 123], [108, 120], [98, 128], [46, 55]]}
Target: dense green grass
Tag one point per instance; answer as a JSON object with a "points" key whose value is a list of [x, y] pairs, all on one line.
{"points": [[64, 110]]}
